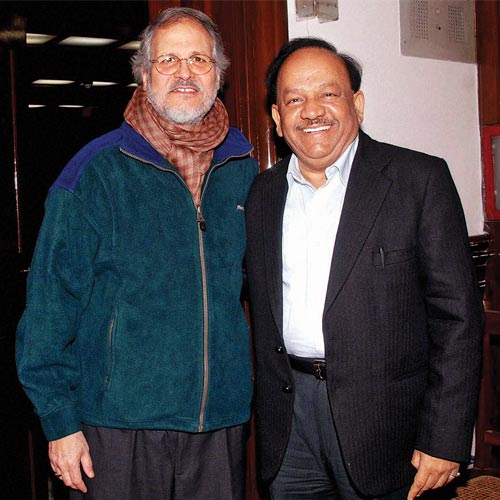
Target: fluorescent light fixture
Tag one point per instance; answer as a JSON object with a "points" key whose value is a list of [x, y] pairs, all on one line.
{"points": [[34, 106], [86, 41], [45, 81], [134, 45], [102, 84], [38, 38], [132, 85], [71, 106]]}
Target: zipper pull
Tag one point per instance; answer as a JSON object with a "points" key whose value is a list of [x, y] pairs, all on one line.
{"points": [[201, 220]]}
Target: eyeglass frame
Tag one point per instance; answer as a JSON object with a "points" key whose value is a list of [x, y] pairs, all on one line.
{"points": [[187, 59]]}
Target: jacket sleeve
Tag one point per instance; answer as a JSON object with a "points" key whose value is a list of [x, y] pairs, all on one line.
{"points": [[59, 286], [455, 322]]}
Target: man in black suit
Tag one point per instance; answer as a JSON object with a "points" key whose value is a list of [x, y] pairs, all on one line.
{"points": [[366, 314]]}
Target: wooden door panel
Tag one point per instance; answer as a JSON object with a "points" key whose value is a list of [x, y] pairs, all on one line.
{"points": [[252, 32]]}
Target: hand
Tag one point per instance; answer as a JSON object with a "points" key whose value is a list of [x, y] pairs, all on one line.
{"points": [[431, 473], [67, 455]]}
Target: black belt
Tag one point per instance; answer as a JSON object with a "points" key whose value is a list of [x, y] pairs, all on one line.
{"points": [[316, 367]]}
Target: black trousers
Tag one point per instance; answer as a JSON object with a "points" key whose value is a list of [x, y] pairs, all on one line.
{"points": [[165, 465], [313, 467]]}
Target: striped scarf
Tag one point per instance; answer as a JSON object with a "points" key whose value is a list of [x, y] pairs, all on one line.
{"points": [[190, 151]]}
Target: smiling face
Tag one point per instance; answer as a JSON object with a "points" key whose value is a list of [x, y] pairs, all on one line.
{"points": [[317, 112], [182, 98]]}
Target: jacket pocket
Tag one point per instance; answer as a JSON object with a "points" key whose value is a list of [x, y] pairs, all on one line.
{"points": [[383, 258], [109, 349]]}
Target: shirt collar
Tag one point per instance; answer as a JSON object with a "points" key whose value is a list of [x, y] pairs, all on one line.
{"points": [[343, 165]]}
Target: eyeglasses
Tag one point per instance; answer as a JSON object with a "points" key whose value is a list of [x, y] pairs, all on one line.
{"points": [[168, 64]]}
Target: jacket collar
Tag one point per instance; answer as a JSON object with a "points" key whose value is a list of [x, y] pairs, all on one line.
{"points": [[133, 144], [366, 191], [365, 194], [234, 145]]}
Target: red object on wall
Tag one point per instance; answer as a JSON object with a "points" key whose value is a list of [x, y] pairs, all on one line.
{"points": [[491, 183]]}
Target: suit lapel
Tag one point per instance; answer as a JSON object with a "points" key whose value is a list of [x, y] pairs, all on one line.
{"points": [[366, 191], [274, 201]]}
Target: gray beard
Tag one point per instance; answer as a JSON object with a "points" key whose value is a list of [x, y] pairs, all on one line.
{"points": [[183, 117]]}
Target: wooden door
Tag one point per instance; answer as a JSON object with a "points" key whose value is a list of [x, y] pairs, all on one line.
{"points": [[253, 32]]}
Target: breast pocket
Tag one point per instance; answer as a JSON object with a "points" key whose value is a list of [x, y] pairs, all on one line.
{"points": [[385, 258]]}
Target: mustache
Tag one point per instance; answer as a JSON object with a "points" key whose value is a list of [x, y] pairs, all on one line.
{"points": [[317, 122], [179, 82]]}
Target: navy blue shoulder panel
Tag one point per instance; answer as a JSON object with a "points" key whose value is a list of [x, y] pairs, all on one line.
{"points": [[235, 144], [70, 175], [124, 137]]}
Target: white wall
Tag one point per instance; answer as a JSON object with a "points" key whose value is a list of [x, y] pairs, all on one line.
{"points": [[423, 104]]}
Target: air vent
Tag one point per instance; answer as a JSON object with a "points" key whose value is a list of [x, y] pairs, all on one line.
{"points": [[438, 29]]}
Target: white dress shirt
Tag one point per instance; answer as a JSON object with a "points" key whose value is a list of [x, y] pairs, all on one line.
{"points": [[310, 224]]}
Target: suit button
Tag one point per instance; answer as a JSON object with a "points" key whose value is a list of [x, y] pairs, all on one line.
{"points": [[287, 389], [279, 349]]}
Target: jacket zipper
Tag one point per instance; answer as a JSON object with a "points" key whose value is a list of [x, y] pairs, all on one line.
{"points": [[202, 227]]}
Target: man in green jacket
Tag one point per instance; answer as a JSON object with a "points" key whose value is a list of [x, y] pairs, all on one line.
{"points": [[133, 346]]}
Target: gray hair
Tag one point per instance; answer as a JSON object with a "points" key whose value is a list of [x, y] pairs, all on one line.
{"points": [[141, 59]]}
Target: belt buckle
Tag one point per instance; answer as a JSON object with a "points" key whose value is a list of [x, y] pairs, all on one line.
{"points": [[317, 372]]}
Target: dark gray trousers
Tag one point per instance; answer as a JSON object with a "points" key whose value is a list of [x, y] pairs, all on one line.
{"points": [[313, 467], [165, 465]]}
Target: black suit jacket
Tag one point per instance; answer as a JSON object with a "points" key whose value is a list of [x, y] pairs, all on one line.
{"points": [[402, 321]]}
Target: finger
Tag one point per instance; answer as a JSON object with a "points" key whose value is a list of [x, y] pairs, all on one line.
{"points": [[87, 465], [74, 480], [72, 477], [57, 471], [423, 481], [416, 488], [56, 467], [413, 493], [415, 459], [442, 480], [453, 475], [65, 478]]}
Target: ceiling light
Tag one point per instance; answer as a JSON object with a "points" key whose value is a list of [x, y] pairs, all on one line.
{"points": [[71, 106], [45, 81], [86, 41], [38, 38], [134, 45], [132, 85], [34, 106], [102, 84]]}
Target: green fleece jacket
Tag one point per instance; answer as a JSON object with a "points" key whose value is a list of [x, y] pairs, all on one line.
{"points": [[133, 318]]}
